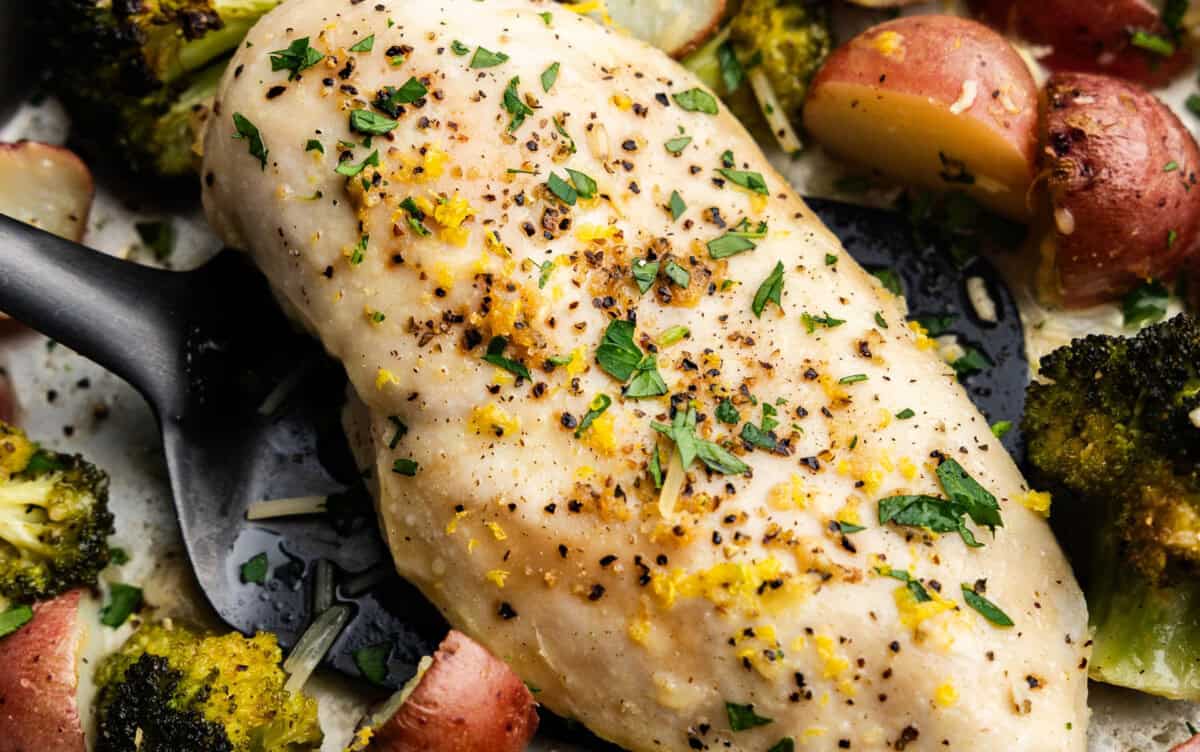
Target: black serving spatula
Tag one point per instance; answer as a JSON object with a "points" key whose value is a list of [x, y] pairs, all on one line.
{"points": [[249, 411]]}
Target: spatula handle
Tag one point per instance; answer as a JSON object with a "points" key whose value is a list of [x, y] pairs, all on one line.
{"points": [[126, 317]]}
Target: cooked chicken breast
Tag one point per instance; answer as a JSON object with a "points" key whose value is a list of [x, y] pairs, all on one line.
{"points": [[556, 271]]}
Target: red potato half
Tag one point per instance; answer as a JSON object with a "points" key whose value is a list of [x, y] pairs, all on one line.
{"points": [[38, 680], [467, 701], [1120, 172], [45, 186], [1094, 36], [1191, 745], [937, 102]]}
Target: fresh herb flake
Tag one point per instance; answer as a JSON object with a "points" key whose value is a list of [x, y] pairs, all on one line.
{"points": [[905, 414], [562, 190], [549, 76], [371, 123], [350, 169], [644, 274], [123, 600], [676, 145], [514, 105], [485, 58], [743, 717], [405, 467], [986, 608], [676, 205], [584, 185], [254, 571], [729, 244], [366, 45], [495, 356], [596, 408], [1145, 304], [751, 181], [297, 57], [677, 274], [696, 100], [247, 130], [771, 290], [372, 662]]}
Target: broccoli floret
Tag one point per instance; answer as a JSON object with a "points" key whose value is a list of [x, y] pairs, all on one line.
{"points": [[170, 688], [141, 74], [1115, 433], [763, 61], [54, 520], [788, 40]]}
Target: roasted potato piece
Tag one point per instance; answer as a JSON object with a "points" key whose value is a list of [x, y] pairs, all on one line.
{"points": [[1191, 745], [1096, 36], [1120, 172], [677, 27], [932, 101], [466, 701], [45, 186], [38, 681]]}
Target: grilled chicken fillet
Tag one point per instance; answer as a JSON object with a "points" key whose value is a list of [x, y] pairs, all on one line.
{"points": [[555, 269]]}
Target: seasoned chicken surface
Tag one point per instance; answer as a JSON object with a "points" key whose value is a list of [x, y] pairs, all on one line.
{"points": [[556, 271]]}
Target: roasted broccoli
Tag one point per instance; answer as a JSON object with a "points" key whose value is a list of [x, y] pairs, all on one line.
{"points": [[54, 520], [771, 48], [141, 73], [1115, 433], [170, 689]]}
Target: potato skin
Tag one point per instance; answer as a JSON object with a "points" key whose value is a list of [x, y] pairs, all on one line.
{"points": [[952, 91], [1191, 745], [1091, 36], [38, 706], [468, 701], [1120, 172]]}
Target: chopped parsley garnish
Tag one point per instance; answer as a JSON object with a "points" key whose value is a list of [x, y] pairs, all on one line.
{"points": [[562, 190], [656, 473], [965, 491], [771, 290], [360, 250], [547, 17], [678, 144], [880, 320], [549, 76], [972, 361], [416, 217], [644, 274], [254, 571], [812, 322], [596, 408], [682, 431], [584, 185], [1001, 428], [919, 594], [1145, 305], [848, 528], [905, 414], [729, 244], [406, 467], [458, 48], [401, 431], [743, 229], [786, 744], [13, 619], [544, 272], [890, 280], [967, 499], [123, 600], [621, 358], [696, 100], [677, 274], [853, 379], [831, 259], [371, 123], [676, 205], [751, 181], [247, 130], [560, 360], [485, 58], [986, 608], [1153, 43], [366, 45], [562, 131], [732, 72], [727, 413], [298, 56], [158, 237], [514, 105], [762, 436], [673, 335], [372, 662], [349, 169], [389, 99], [495, 356], [743, 717], [314, 145], [936, 326], [118, 557]]}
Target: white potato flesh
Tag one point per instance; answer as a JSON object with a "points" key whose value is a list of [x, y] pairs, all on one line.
{"points": [[641, 619], [676, 26], [45, 186]]}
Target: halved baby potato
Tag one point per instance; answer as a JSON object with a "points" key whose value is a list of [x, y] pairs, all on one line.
{"points": [[1097, 36], [466, 700], [45, 186], [1120, 170], [678, 27], [938, 102], [38, 680]]}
